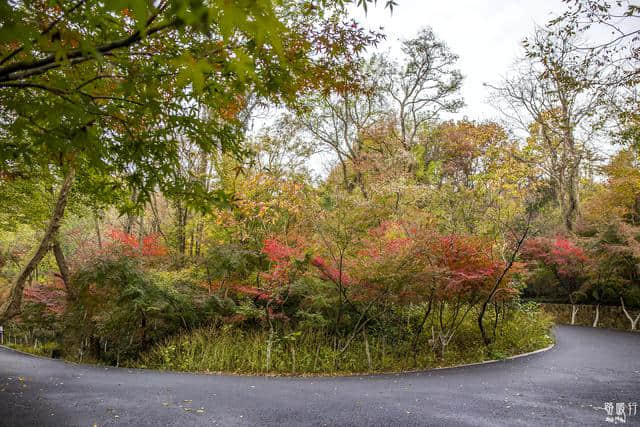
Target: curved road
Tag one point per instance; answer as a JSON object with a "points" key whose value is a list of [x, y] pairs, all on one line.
{"points": [[567, 385]]}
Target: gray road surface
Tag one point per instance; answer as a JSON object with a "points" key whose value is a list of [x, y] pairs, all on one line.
{"points": [[567, 385]]}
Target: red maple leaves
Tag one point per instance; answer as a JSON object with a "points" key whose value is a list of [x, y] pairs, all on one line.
{"points": [[150, 245], [559, 254]]}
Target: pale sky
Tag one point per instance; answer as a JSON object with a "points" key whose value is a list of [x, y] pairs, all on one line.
{"points": [[485, 34]]}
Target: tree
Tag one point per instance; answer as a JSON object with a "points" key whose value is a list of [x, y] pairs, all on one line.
{"points": [[618, 48], [510, 261], [398, 96], [613, 271], [338, 120], [423, 85], [273, 287], [103, 89], [623, 185], [554, 95], [470, 275], [564, 260]]}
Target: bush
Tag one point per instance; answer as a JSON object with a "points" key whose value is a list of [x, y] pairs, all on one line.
{"points": [[120, 310]]}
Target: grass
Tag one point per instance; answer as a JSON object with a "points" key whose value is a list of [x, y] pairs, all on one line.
{"points": [[47, 349], [233, 350]]}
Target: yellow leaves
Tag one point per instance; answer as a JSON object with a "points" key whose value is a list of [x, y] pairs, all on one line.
{"points": [[618, 196]]}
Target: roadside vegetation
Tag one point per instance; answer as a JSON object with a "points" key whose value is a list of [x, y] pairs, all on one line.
{"points": [[228, 349], [148, 220]]}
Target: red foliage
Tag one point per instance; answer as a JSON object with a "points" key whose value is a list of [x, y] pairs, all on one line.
{"points": [[283, 271], [559, 254], [330, 272], [151, 246], [253, 291], [51, 295], [393, 261], [400, 261], [282, 259], [278, 252], [467, 262]]}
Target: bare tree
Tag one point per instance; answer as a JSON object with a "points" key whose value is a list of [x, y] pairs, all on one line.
{"points": [[12, 306], [424, 84], [611, 32], [338, 120], [554, 95], [407, 93]]}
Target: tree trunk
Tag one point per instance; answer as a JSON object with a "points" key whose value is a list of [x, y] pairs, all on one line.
{"points": [[181, 219], [12, 306], [634, 322], [485, 339], [63, 268], [595, 321], [442, 346], [574, 311], [129, 223], [366, 350], [141, 233], [269, 346], [420, 328], [96, 224]]}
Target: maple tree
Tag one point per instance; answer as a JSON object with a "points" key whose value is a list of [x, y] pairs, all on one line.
{"points": [[564, 260]]}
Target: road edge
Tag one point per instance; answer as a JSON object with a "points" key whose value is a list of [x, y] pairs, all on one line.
{"points": [[362, 374]]}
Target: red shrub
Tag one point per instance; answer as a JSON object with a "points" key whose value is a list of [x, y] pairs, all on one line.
{"points": [[559, 254], [151, 246]]}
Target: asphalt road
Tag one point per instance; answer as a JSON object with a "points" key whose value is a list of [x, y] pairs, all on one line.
{"points": [[567, 385]]}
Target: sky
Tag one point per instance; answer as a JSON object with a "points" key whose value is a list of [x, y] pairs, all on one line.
{"points": [[485, 34]]}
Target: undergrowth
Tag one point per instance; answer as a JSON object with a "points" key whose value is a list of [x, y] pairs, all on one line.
{"points": [[233, 350]]}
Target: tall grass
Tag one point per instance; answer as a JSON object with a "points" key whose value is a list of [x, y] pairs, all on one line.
{"points": [[229, 349]]}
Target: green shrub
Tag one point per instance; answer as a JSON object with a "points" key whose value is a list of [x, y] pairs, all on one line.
{"points": [[121, 310]]}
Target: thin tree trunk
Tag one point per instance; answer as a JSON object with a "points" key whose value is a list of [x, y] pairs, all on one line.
{"points": [[420, 328], [141, 232], [12, 306], [366, 349], [96, 223], [63, 268], [269, 345], [496, 284], [574, 311], [271, 336], [181, 217], [199, 234], [315, 359], [634, 322], [157, 227], [595, 321], [495, 320]]}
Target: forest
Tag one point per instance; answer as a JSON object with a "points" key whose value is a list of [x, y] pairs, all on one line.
{"points": [[253, 186]]}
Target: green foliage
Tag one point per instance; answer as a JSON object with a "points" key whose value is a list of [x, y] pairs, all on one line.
{"points": [[230, 349], [111, 88], [120, 310], [224, 263]]}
